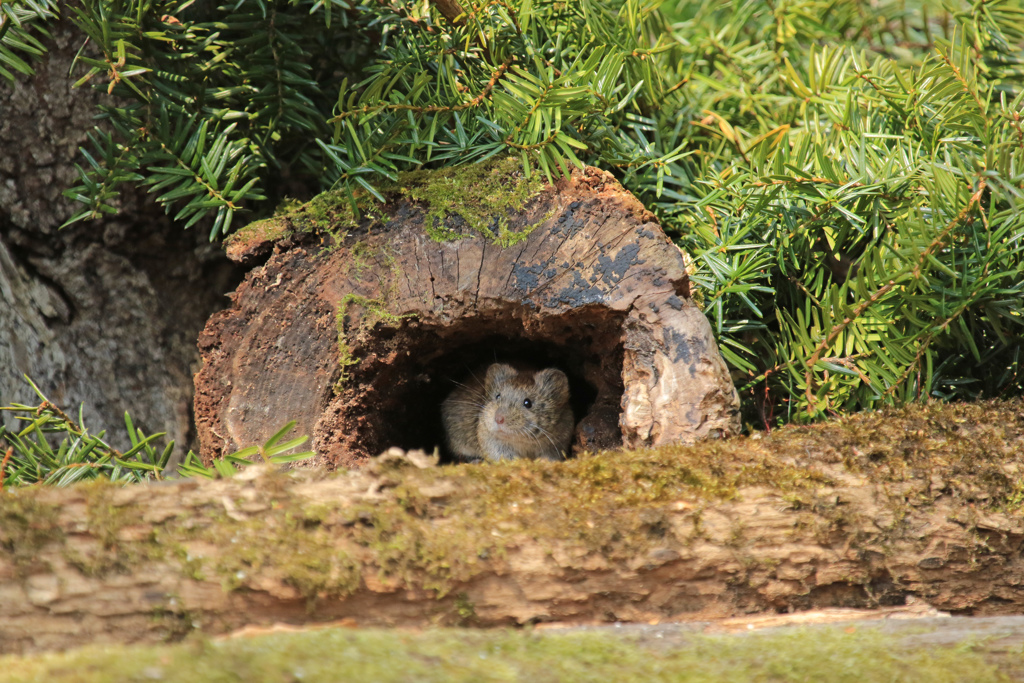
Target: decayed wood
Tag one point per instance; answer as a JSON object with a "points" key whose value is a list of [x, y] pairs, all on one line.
{"points": [[596, 289], [860, 513]]}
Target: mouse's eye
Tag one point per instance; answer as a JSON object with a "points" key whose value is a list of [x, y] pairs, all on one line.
{"points": [[497, 396], [527, 403]]}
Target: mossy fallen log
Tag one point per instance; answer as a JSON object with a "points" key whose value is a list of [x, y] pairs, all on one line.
{"points": [[864, 511]]}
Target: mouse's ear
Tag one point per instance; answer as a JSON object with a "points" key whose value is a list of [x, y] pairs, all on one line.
{"points": [[498, 373], [554, 382]]}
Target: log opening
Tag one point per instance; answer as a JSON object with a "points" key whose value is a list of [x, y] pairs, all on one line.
{"points": [[400, 405]]}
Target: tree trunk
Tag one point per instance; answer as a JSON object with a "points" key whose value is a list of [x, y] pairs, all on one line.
{"points": [[104, 313], [358, 330], [862, 512]]}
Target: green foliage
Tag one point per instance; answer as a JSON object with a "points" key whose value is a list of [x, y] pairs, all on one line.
{"points": [[846, 175], [273, 452], [215, 103], [855, 218], [29, 455], [21, 26], [546, 81]]}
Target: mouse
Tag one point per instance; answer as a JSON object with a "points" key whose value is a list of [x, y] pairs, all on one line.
{"points": [[510, 414]]}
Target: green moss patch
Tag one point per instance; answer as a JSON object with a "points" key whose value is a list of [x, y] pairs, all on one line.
{"points": [[289, 546], [850, 655], [375, 310], [971, 451], [105, 522], [26, 525], [412, 550], [266, 230], [483, 195], [329, 214]]}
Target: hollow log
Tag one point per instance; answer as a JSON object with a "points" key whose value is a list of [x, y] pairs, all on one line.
{"points": [[875, 510], [359, 329]]}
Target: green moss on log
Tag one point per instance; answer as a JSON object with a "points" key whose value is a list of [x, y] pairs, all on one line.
{"points": [[288, 545], [26, 525], [482, 195], [375, 310], [613, 505], [114, 550]]}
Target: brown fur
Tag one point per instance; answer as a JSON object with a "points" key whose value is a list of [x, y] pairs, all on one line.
{"points": [[489, 420]]}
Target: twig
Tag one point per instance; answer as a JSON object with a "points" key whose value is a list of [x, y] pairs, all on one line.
{"points": [[3, 465]]}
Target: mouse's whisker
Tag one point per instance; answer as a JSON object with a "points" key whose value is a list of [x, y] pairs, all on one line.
{"points": [[476, 404], [547, 435]]}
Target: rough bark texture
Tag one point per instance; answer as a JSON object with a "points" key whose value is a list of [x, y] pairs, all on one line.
{"points": [[865, 512], [596, 288], [104, 313]]}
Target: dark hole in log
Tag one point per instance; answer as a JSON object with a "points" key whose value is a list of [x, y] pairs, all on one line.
{"points": [[422, 416], [427, 360]]}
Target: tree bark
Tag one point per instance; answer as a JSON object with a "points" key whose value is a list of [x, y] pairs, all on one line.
{"points": [[361, 341], [104, 313], [863, 512]]}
